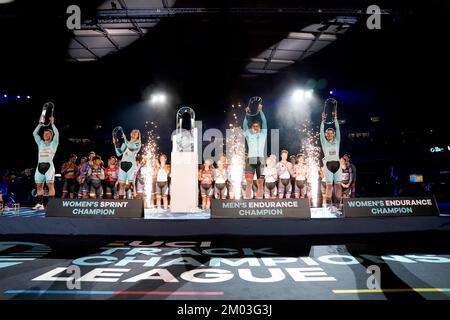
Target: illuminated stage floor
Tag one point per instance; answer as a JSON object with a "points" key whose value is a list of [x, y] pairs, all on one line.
{"points": [[261, 258], [416, 266]]}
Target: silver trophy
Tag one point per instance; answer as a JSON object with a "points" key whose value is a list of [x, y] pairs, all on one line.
{"points": [[117, 136], [253, 106], [47, 113], [184, 138], [330, 103]]}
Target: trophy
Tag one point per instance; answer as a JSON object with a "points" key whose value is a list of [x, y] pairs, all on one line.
{"points": [[47, 113], [184, 138], [252, 106], [184, 158], [118, 136], [330, 103]]}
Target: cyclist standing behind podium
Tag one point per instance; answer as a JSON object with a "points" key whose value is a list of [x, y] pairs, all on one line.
{"points": [[69, 170]]}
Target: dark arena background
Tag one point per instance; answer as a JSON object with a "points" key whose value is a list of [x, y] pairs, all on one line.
{"points": [[224, 158]]}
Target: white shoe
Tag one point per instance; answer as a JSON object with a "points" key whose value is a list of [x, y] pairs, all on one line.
{"points": [[37, 206]]}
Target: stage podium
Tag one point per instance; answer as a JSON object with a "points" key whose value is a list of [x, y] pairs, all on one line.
{"points": [[184, 168]]}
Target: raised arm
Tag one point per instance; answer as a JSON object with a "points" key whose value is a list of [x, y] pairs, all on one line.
{"points": [[245, 126], [322, 133], [55, 134], [121, 149], [36, 136], [338, 131], [263, 121]]}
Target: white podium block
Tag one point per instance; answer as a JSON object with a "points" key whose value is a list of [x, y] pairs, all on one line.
{"points": [[184, 178]]}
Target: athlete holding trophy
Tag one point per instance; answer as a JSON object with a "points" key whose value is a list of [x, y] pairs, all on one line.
{"points": [[128, 150], [256, 136], [47, 146], [330, 140]]}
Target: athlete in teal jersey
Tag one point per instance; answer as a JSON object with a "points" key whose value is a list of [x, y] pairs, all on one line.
{"points": [[128, 150], [330, 147], [45, 172], [256, 136], [330, 143]]}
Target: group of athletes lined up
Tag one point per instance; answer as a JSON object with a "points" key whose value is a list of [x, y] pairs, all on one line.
{"points": [[288, 178], [337, 174], [91, 179], [279, 179]]}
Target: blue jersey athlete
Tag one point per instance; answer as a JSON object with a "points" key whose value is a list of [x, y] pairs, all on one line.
{"points": [[127, 171], [330, 146], [45, 172], [256, 136]]}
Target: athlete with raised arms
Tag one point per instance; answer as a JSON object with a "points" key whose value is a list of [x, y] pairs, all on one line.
{"points": [[45, 172], [256, 136], [128, 151], [330, 145]]}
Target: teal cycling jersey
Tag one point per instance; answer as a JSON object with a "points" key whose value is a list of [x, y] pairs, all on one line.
{"points": [[46, 150], [256, 141], [330, 149], [129, 150]]}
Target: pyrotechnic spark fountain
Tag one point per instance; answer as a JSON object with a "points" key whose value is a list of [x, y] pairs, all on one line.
{"points": [[149, 157], [312, 159], [235, 144]]}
